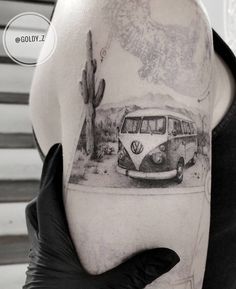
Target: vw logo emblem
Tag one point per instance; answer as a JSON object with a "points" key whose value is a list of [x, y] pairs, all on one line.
{"points": [[136, 147]]}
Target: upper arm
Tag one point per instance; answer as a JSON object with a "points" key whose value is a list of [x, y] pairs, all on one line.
{"points": [[141, 64], [45, 109]]}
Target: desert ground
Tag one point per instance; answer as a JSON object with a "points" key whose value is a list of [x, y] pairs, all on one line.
{"points": [[104, 174]]}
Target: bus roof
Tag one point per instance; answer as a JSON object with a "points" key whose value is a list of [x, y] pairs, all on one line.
{"points": [[157, 112]]}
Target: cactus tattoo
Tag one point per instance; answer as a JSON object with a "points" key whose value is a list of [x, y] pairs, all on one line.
{"points": [[92, 97]]}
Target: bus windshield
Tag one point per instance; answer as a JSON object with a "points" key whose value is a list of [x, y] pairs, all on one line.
{"points": [[153, 125], [131, 125]]}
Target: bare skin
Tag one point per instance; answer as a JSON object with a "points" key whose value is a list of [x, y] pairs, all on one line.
{"points": [[115, 216]]}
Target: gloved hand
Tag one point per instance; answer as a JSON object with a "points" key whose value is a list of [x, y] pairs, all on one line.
{"points": [[54, 263]]}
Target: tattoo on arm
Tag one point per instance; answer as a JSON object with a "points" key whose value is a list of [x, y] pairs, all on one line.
{"points": [[148, 133]]}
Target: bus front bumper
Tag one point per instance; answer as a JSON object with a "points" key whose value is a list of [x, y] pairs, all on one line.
{"points": [[147, 176]]}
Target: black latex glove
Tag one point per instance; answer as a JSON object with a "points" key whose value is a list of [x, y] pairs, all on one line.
{"points": [[54, 263]]}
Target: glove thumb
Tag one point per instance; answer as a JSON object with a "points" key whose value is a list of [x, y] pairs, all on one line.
{"points": [[140, 270]]}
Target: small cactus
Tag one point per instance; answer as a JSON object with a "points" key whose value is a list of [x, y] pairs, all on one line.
{"points": [[92, 96]]}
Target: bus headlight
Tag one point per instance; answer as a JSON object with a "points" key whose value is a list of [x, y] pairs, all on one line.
{"points": [[162, 148], [157, 158], [121, 154]]}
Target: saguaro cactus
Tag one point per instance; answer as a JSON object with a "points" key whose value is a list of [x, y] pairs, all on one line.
{"points": [[92, 97]]}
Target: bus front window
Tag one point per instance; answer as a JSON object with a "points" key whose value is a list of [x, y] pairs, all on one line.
{"points": [[131, 125], [153, 125]]}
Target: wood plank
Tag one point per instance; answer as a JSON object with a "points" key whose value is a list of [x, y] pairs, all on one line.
{"points": [[7, 60], [12, 276], [15, 78], [2, 50], [14, 249], [46, 2], [16, 140], [10, 9], [18, 191], [15, 119], [12, 219], [20, 164], [14, 98]]}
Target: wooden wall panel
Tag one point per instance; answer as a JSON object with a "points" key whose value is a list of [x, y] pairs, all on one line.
{"points": [[15, 78], [9, 9]]}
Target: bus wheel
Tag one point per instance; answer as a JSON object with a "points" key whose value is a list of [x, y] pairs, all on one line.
{"points": [[194, 159], [180, 172]]}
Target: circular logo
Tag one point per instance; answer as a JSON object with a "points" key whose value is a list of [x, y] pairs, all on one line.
{"points": [[24, 37], [137, 147]]}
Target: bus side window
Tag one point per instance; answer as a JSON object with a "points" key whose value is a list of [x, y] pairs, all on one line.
{"points": [[144, 126], [182, 127], [192, 128], [179, 127], [175, 126], [195, 129], [186, 127]]}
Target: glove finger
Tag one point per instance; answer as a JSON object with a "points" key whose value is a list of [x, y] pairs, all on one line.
{"points": [[53, 227], [139, 271], [31, 217], [50, 200], [49, 168], [32, 223]]}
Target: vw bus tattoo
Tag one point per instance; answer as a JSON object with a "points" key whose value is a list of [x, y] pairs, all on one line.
{"points": [[152, 139], [163, 142], [144, 147]]}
